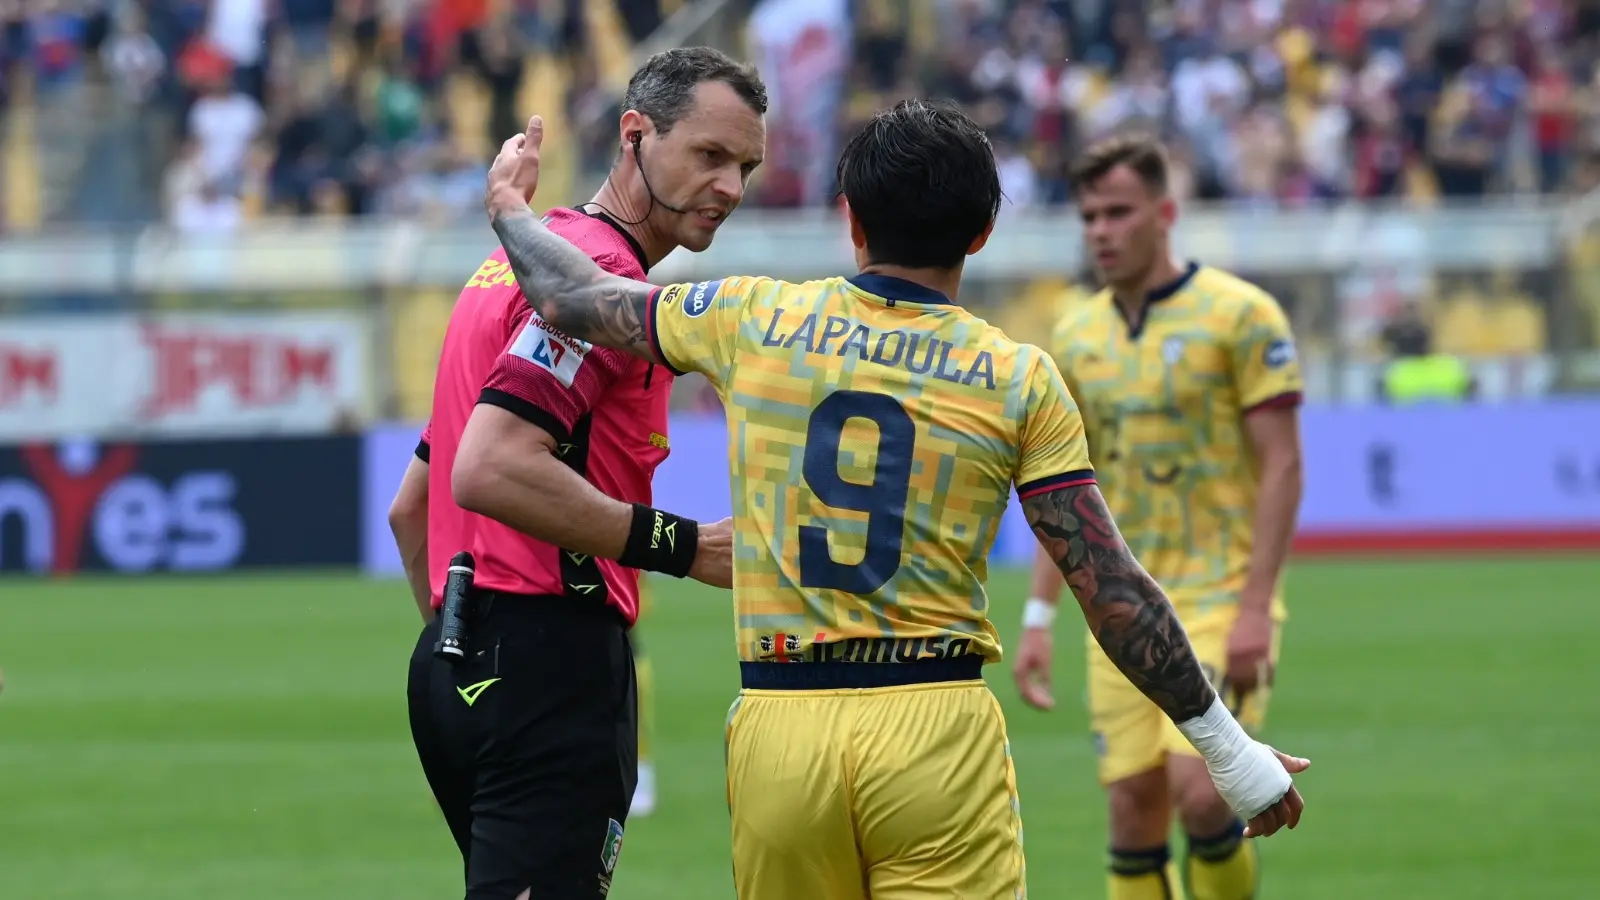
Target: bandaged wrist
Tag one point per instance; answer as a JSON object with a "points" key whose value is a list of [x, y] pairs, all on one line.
{"points": [[1038, 613], [1216, 734], [1247, 774], [660, 542]]}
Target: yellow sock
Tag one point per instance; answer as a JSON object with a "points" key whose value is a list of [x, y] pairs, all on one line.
{"points": [[1224, 866], [1142, 875], [644, 672]]}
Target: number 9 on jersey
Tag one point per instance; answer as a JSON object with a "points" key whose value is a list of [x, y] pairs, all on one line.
{"points": [[883, 501]]}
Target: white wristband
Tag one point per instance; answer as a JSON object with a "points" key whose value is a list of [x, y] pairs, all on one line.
{"points": [[1038, 613]]}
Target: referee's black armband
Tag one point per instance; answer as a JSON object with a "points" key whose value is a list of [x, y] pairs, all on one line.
{"points": [[660, 542]]}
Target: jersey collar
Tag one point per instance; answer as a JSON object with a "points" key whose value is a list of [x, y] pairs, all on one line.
{"points": [[635, 246], [1175, 285], [897, 290], [1164, 292]]}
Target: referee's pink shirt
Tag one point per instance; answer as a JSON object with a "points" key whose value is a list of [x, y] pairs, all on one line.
{"points": [[606, 409]]}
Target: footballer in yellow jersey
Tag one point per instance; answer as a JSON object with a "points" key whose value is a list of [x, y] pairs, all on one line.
{"points": [[872, 456], [1189, 385], [876, 430]]}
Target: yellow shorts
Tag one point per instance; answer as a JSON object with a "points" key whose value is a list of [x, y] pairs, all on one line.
{"points": [[894, 793], [1131, 734]]}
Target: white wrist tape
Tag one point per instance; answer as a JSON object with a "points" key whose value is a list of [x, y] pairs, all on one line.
{"points": [[1038, 613], [1247, 774]]}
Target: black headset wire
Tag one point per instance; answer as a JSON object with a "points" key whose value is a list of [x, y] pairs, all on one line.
{"points": [[638, 160]]}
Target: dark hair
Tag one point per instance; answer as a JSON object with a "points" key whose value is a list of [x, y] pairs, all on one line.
{"points": [[921, 180], [1139, 152], [663, 88]]}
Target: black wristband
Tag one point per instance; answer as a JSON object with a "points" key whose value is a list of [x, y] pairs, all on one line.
{"points": [[660, 542]]}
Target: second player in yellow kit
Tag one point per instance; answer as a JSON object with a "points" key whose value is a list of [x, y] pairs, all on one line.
{"points": [[876, 430], [1173, 392], [1164, 409]]}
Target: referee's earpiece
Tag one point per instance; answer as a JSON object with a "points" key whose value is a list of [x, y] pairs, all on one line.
{"points": [[635, 138]]}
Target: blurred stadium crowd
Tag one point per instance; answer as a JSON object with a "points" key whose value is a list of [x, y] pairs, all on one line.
{"points": [[210, 115], [230, 109]]}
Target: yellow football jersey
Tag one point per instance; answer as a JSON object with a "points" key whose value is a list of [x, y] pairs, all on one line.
{"points": [[1164, 408], [875, 431]]}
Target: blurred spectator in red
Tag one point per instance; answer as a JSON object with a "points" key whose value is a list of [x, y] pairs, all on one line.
{"points": [[1265, 102], [1553, 103]]}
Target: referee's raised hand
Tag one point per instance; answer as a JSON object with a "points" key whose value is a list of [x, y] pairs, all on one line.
{"points": [[514, 176]]}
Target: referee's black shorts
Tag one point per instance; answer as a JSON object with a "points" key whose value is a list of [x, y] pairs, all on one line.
{"points": [[531, 744]]}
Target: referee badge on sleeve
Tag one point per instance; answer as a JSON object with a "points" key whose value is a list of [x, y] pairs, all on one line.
{"points": [[609, 851], [612, 848], [550, 349]]}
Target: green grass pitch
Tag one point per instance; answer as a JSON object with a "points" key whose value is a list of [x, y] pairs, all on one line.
{"points": [[245, 738]]}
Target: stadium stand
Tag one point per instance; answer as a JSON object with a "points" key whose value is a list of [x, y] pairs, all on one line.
{"points": [[231, 112], [1266, 102]]}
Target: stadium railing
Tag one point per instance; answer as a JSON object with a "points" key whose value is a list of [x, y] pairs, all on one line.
{"points": [[1341, 273]]}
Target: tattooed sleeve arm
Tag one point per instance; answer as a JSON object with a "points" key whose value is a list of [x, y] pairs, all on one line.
{"points": [[568, 290], [1126, 610]]}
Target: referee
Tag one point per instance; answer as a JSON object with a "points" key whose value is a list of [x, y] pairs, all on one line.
{"points": [[547, 446]]}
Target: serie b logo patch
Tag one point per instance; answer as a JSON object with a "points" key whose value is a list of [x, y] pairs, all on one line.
{"points": [[612, 848], [1278, 354]]}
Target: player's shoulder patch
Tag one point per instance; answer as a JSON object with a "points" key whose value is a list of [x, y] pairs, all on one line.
{"points": [[698, 298], [1278, 353], [550, 349]]}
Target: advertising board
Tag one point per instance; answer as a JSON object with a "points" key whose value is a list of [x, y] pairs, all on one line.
{"points": [[176, 375], [200, 506], [1518, 476]]}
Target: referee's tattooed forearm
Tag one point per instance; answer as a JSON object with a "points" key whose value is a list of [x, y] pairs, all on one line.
{"points": [[1127, 611], [568, 290]]}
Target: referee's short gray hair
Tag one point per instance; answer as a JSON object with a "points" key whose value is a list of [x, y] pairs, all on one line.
{"points": [[663, 88]]}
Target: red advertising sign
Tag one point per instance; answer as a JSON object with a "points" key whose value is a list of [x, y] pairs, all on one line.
{"points": [[181, 375]]}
